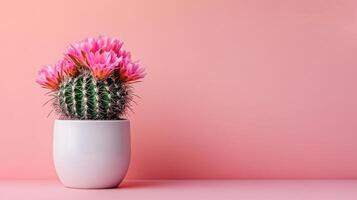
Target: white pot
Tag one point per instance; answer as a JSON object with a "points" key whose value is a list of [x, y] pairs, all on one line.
{"points": [[91, 153]]}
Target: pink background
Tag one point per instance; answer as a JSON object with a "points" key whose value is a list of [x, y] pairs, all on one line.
{"points": [[235, 89]]}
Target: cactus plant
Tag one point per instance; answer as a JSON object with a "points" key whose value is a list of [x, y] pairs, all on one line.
{"points": [[93, 81]]}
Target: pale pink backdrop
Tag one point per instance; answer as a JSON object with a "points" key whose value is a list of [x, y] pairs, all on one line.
{"points": [[235, 89]]}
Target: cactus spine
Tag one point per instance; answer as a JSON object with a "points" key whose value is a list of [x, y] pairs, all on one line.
{"points": [[84, 97]]}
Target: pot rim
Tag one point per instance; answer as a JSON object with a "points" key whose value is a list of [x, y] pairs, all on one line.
{"points": [[92, 121]]}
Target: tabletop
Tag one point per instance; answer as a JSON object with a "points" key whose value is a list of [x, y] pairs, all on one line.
{"points": [[186, 189]]}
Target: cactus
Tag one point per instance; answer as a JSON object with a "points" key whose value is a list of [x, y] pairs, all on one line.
{"points": [[84, 97], [93, 80]]}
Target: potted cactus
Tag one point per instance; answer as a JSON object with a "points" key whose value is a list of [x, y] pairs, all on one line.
{"points": [[91, 92]]}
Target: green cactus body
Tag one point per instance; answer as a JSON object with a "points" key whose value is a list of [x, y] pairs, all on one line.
{"points": [[84, 97]]}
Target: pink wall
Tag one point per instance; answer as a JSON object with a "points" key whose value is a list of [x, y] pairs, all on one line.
{"points": [[236, 89]]}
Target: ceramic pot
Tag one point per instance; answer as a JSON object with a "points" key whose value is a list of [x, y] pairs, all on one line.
{"points": [[91, 153]]}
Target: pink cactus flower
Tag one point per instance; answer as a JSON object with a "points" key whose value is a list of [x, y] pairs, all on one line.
{"points": [[66, 68], [109, 44], [49, 77], [102, 64], [73, 54], [130, 71], [78, 52], [103, 55]]}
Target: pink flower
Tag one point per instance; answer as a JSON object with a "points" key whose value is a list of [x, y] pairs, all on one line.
{"points": [[74, 54], [78, 52], [103, 55], [49, 77], [109, 44], [66, 68], [129, 70], [103, 64]]}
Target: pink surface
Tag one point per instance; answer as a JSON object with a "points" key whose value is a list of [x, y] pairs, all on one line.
{"points": [[252, 190], [235, 89]]}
